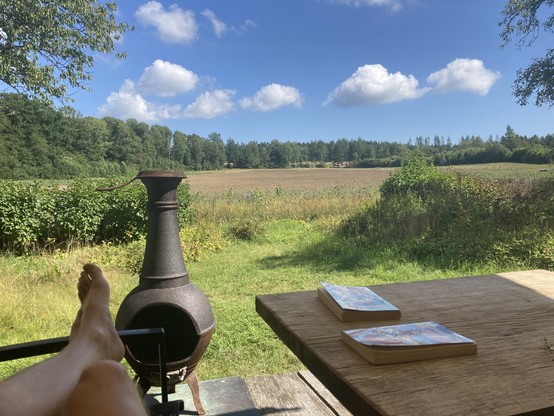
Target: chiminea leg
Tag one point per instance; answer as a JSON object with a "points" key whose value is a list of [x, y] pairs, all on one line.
{"points": [[192, 381]]}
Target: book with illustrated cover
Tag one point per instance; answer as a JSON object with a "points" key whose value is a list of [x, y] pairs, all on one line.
{"points": [[407, 342], [356, 303]]}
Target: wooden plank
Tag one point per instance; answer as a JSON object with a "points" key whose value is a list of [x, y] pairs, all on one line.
{"points": [[285, 394], [508, 315], [323, 393]]}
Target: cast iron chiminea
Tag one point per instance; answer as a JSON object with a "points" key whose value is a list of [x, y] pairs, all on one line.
{"points": [[165, 297]]}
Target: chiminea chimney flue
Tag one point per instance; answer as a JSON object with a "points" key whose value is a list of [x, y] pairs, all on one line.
{"points": [[163, 258]]}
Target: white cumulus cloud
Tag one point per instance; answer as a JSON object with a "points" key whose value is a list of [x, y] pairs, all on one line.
{"points": [[464, 75], [395, 5], [373, 84], [166, 79], [174, 25], [127, 103], [272, 97], [219, 27], [211, 104]]}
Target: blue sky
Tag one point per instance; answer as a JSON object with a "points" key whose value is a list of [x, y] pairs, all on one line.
{"points": [[303, 70]]}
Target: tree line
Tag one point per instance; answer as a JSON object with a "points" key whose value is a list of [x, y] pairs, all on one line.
{"points": [[39, 141]]}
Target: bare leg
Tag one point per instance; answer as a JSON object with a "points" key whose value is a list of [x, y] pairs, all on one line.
{"points": [[104, 389], [43, 389]]}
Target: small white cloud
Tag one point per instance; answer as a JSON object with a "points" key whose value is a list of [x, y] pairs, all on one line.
{"points": [[174, 25], [373, 84], [464, 75], [394, 5], [272, 97], [166, 79], [127, 103], [210, 104], [219, 27], [247, 25]]}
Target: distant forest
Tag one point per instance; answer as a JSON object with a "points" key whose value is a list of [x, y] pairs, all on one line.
{"points": [[38, 141]]}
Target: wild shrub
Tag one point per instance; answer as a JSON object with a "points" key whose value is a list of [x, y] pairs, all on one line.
{"points": [[453, 219], [200, 238], [26, 210], [418, 177], [78, 211], [41, 215], [125, 214], [402, 213]]}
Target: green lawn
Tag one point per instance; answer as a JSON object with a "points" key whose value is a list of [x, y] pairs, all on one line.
{"points": [[293, 256], [39, 298]]}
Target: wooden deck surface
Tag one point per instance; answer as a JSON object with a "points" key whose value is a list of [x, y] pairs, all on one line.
{"points": [[294, 394], [298, 394]]}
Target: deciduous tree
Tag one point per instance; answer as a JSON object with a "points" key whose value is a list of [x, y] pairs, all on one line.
{"points": [[47, 46], [522, 20]]}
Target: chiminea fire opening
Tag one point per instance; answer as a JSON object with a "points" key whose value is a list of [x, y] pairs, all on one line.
{"points": [[165, 297], [180, 333]]}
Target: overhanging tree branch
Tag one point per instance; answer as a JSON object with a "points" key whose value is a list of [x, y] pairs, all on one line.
{"points": [[46, 47], [521, 20]]}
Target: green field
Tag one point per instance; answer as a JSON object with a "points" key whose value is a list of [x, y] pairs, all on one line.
{"points": [[287, 244], [506, 170]]}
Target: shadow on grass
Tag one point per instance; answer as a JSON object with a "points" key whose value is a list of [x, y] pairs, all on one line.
{"points": [[336, 254], [339, 254]]}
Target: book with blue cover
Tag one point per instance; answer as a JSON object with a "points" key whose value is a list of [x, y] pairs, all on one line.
{"points": [[408, 342], [356, 303]]}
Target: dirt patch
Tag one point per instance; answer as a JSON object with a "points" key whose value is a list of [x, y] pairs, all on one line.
{"points": [[287, 179]]}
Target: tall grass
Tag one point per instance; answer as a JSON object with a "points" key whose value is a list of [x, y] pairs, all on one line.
{"points": [[263, 205]]}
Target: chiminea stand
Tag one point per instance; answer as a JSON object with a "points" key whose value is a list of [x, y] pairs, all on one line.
{"points": [[165, 297]]}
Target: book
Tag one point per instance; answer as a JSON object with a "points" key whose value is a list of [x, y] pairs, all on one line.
{"points": [[356, 303], [407, 342]]}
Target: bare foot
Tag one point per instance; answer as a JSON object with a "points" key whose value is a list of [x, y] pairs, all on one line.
{"points": [[93, 324]]}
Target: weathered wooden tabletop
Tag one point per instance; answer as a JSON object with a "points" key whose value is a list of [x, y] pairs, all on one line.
{"points": [[509, 315]]}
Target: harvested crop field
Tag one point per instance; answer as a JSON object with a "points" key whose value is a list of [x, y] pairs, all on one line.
{"points": [[286, 179]]}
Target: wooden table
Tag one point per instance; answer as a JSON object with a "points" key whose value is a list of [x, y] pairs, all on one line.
{"points": [[509, 315]]}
